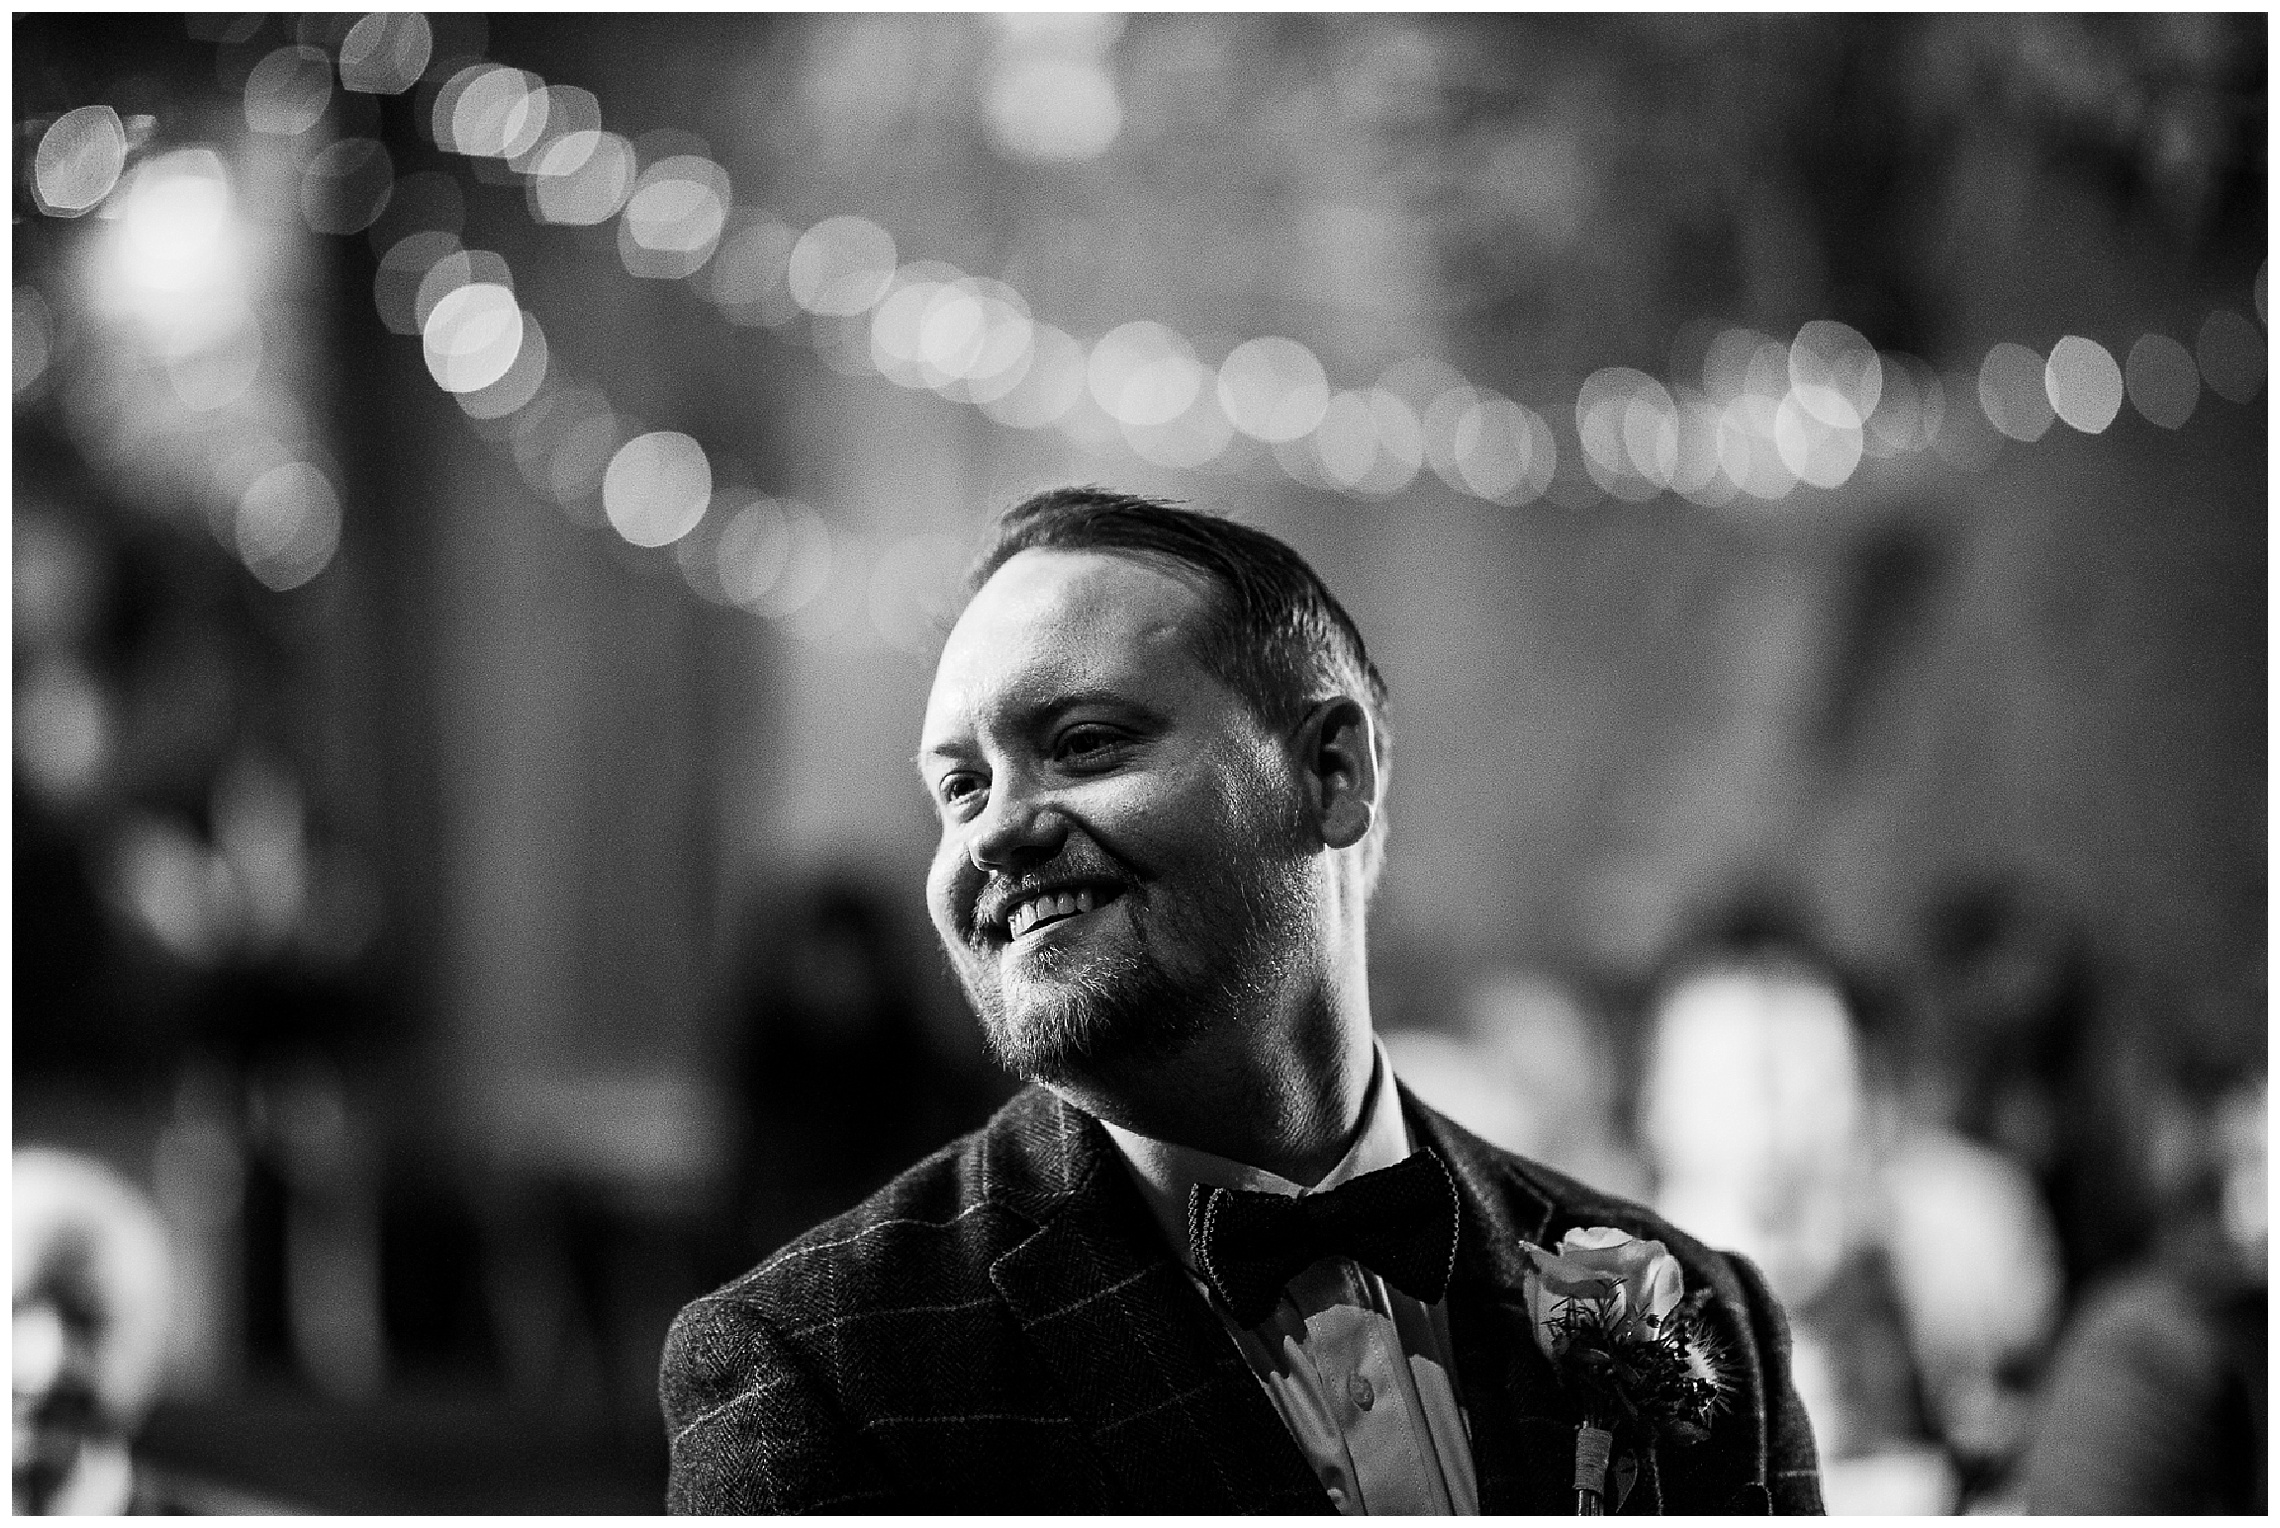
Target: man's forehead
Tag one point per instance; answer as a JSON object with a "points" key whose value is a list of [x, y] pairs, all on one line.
{"points": [[1049, 618]]}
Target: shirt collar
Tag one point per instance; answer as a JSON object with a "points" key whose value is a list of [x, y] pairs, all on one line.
{"points": [[1165, 1171]]}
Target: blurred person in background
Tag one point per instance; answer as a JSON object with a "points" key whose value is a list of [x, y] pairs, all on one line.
{"points": [[1155, 741], [1531, 1069], [92, 1306], [2014, 1024], [1918, 1268], [2157, 1399], [840, 1080]]}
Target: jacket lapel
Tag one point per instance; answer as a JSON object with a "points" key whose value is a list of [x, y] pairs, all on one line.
{"points": [[1523, 1429], [1177, 1419]]}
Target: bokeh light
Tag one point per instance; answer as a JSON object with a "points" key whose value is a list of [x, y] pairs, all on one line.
{"points": [[78, 161], [1000, 355], [1627, 425], [64, 727], [490, 111], [1195, 438], [1345, 441], [953, 327], [2163, 379], [1048, 389], [581, 445], [1908, 412], [518, 384], [775, 557], [841, 266], [674, 217], [1273, 389], [1400, 440], [1834, 374], [2011, 392], [1748, 451], [1143, 373], [1053, 109], [1810, 446], [346, 186], [746, 279], [175, 232], [386, 52], [540, 432], [1695, 472], [898, 317], [656, 487], [403, 270], [1495, 449], [1418, 381], [463, 267], [581, 179], [2084, 384], [472, 336], [751, 552], [176, 256], [1737, 361], [2231, 354], [288, 90], [562, 110], [288, 525], [31, 335], [968, 338]]}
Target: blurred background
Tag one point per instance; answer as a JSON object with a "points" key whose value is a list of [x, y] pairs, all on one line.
{"points": [[488, 492]]}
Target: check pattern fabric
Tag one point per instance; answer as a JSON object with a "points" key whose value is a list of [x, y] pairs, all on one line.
{"points": [[1003, 1329]]}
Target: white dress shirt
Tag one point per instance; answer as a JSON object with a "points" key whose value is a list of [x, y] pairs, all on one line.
{"points": [[1360, 1372]]}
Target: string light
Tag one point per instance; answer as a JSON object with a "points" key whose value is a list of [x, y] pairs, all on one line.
{"points": [[1765, 417]]}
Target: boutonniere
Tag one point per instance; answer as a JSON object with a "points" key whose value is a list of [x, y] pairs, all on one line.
{"points": [[1612, 1314]]}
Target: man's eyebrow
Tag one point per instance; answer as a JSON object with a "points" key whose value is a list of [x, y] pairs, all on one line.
{"points": [[919, 760], [1040, 713]]}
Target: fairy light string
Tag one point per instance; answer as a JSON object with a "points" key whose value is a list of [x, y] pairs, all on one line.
{"points": [[1763, 418]]}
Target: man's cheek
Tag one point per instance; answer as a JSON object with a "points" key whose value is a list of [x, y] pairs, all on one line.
{"points": [[941, 899]]}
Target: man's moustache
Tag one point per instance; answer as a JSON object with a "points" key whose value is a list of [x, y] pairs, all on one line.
{"points": [[1000, 895]]}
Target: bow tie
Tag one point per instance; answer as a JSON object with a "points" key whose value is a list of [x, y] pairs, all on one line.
{"points": [[1400, 1221]]}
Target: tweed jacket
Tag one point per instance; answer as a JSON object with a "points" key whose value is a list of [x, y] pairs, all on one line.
{"points": [[1003, 1329]]}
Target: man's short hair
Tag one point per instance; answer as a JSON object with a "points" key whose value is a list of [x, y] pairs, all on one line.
{"points": [[1275, 634]]}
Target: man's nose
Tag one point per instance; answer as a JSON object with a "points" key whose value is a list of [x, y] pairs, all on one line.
{"points": [[1017, 831]]}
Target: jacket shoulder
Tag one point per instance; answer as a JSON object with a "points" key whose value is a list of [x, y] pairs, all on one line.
{"points": [[929, 1231], [848, 1368]]}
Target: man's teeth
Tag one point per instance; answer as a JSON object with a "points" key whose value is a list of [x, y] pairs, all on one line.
{"points": [[1058, 904]]}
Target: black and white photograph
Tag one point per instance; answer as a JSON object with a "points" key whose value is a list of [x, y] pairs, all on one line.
{"points": [[1078, 763]]}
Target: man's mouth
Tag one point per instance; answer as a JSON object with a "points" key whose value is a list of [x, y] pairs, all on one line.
{"points": [[1050, 907]]}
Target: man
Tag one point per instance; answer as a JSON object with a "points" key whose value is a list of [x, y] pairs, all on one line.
{"points": [[1157, 746]]}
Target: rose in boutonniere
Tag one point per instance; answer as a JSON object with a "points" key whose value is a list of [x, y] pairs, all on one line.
{"points": [[1638, 1282], [1612, 1314]]}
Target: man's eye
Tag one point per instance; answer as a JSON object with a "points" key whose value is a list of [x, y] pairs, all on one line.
{"points": [[1082, 743], [956, 788]]}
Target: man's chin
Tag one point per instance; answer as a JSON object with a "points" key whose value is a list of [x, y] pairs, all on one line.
{"points": [[1068, 1030]]}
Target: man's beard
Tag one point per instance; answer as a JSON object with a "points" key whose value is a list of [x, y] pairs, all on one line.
{"points": [[1085, 1013]]}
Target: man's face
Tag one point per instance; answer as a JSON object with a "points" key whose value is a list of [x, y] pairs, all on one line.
{"points": [[1121, 865]]}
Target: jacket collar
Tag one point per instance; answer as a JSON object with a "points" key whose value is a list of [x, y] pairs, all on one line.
{"points": [[1523, 1431], [1178, 1421]]}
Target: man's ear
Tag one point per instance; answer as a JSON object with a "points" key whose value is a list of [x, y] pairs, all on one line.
{"points": [[1337, 756]]}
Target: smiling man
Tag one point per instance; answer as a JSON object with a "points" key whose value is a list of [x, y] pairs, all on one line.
{"points": [[1215, 1258]]}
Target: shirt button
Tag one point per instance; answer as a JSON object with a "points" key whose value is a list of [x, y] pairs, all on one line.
{"points": [[1360, 1392]]}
